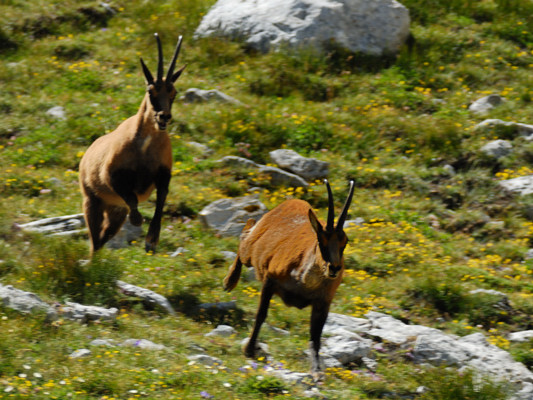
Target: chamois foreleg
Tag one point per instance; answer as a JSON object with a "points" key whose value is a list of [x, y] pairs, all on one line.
{"points": [[113, 221], [162, 181], [123, 183], [266, 295], [93, 209], [319, 315]]}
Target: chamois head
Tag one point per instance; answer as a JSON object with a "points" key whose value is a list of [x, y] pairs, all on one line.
{"points": [[332, 240], [161, 91]]}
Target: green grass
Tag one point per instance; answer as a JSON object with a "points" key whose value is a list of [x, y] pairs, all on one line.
{"points": [[391, 125]]}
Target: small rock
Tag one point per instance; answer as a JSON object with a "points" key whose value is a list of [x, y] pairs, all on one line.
{"points": [[80, 353], [522, 185], [354, 222], [205, 360], [485, 104], [80, 312], [202, 148], [521, 337], [57, 112], [103, 342], [179, 251], [222, 330], [146, 295], [142, 344], [308, 168], [127, 234], [497, 148], [194, 95]]}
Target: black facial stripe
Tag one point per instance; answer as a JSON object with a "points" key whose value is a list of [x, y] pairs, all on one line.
{"points": [[155, 103]]}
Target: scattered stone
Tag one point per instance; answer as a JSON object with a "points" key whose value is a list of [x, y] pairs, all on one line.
{"points": [[522, 185], [521, 129], [497, 148], [103, 342], [24, 302], [54, 225], [179, 251], [261, 349], [374, 27], [228, 216], [80, 353], [449, 169], [146, 295], [202, 148], [277, 330], [521, 337], [346, 323], [278, 177], [205, 360], [127, 234], [529, 254], [194, 95], [142, 344], [57, 112], [82, 313], [308, 168], [222, 330], [485, 104]]}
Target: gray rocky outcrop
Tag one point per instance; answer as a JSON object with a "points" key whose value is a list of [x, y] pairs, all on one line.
{"points": [[67, 224], [83, 313], [373, 27], [308, 168], [228, 216], [22, 301], [521, 129]]}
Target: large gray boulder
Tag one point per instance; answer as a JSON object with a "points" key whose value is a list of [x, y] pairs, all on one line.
{"points": [[483, 105], [522, 185], [374, 27], [228, 216], [308, 168]]}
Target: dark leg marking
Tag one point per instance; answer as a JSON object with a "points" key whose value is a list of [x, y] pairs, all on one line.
{"points": [[162, 180], [93, 210], [266, 295], [319, 315], [114, 219]]}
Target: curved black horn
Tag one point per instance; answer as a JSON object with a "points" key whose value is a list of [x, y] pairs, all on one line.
{"points": [[160, 59], [344, 213], [173, 62], [331, 208]]}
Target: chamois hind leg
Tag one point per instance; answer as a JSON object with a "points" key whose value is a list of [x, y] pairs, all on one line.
{"points": [[93, 210], [233, 275], [319, 315], [162, 181], [266, 295], [114, 217], [123, 183]]}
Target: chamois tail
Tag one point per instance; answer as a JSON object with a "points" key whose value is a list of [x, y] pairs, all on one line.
{"points": [[234, 272], [233, 276]]}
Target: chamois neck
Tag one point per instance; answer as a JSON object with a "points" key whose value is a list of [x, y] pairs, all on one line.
{"points": [[146, 119]]}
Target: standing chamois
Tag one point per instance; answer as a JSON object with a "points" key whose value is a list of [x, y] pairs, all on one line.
{"points": [[122, 168], [298, 259]]}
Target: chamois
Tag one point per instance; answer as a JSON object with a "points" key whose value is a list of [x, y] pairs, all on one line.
{"points": [[298, 259], [122, 168]]}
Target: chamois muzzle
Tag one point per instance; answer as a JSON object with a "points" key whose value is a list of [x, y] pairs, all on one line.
{"points": [[333, 270], [162, 119]]}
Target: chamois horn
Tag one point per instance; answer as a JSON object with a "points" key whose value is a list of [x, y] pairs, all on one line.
{"points": [[170, 72], [344, 213], [160, 59], [331, 209]]}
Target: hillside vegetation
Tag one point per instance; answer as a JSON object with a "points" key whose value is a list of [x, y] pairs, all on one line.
{"points": [[430, 236]]}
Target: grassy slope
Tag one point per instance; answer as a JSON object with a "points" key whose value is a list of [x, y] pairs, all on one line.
{"points": [[425, 243]]}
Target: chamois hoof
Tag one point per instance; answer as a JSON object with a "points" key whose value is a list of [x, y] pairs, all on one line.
{"points": [[259, 350], [318, 376], [136, 218]]}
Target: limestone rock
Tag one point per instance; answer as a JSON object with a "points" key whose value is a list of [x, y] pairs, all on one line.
{"points": [[308, 168], [374, 27], [146, 295], [497, 148], [483, 105], [228, 216], [194, 95], [522, 185]]}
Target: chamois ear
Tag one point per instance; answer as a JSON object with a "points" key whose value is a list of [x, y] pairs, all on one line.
{"points": [[317, 226], [147, 74]]}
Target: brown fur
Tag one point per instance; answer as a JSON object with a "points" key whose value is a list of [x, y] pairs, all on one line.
{"points": [[288, 248], [122, 168]]}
